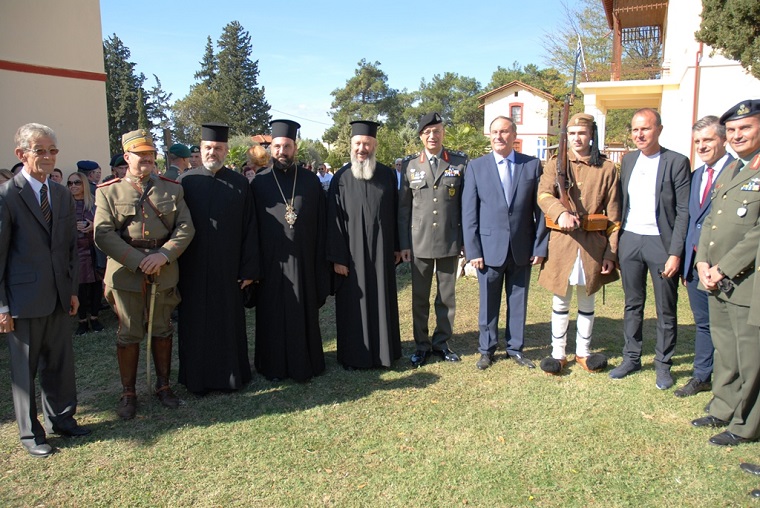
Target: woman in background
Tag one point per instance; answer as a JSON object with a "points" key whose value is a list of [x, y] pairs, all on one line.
{"points": [[90, 281]]}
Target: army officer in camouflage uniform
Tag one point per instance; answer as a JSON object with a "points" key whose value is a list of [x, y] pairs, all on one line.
{"points": [[142, 225], [727, 265], [430, 234]]}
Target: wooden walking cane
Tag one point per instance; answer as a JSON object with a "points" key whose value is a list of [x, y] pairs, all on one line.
{"points": [[151, 308]]}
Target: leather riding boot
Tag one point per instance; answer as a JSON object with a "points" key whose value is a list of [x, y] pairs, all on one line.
{"points": [[162, 359], [127, 355]]}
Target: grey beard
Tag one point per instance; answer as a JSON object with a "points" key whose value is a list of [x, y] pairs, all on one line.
{"points": [[364, 170], [213, 165]]}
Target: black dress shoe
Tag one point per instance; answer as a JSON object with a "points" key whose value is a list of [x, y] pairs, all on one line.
{"points": [[40, 450], [484, 362], [419, 358], [446, 354], [692, 387], [522, 361], [727, 438], [72, 431], [709, 421], [755, 493], [750, 468]]}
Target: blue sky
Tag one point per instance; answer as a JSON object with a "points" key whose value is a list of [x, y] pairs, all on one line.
{"points": [[307, 49]]}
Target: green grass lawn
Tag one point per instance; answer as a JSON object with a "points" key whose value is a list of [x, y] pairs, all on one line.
{"points": [[442, 435]]}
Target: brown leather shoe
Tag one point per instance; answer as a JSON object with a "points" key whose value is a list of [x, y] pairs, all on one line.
{"points": [[127, 406], [592, 363], [552, 366]]}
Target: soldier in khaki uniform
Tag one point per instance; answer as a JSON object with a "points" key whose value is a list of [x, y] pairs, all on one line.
{"points": [[579, 254], [142, 225], [430, 235], [727, 265]]}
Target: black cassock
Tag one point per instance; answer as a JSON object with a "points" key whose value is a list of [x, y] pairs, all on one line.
{"points": [[361, 234], [213, 347], [294, 275]]}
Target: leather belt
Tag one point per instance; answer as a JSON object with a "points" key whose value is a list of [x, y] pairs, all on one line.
{"points": [[145, 243]]}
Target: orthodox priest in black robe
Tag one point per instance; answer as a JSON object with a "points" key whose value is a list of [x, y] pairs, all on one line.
{"points": [[362, 244], [221, 259], [290, 209]]}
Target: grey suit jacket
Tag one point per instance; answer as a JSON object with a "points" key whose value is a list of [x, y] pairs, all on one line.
{"points": [[39, 267], [430, 205], [671, 196]]}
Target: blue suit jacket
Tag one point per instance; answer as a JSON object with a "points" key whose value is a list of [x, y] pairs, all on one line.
{"points": [[697, 215], [489, 227]]}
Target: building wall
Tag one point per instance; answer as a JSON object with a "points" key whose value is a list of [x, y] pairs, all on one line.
{"points": [[54, 76], [532, 131]]}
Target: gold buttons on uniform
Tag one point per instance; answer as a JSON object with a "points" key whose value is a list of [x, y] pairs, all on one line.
{"points": [[712, 243], [435, 200], [720, 212], [435, 212]]}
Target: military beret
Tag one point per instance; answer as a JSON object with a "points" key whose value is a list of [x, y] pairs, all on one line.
{"points": [[87, 166], [364, 128], [215, 132], [428, 119], [117, 160], [741, 110], [581, 119], [138, 141], [195, 149], [180, 150]]}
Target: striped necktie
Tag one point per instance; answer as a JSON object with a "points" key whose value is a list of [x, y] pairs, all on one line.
{"points": [[45, 206]]}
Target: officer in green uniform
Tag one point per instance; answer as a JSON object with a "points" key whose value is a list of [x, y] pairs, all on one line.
{"points": [[142, 225], [727, 265], [430, 235]]}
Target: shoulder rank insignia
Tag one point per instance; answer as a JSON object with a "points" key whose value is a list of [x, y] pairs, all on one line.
{"points": [[109, 182]]}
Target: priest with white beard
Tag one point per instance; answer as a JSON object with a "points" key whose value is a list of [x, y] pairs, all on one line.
{"points": [[362, 245]]}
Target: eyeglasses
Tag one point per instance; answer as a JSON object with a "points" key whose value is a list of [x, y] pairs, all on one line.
{"points": [[41, 152], [71, 183]]}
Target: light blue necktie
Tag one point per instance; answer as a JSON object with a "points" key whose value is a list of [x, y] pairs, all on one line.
{"points": [[506, 180]]}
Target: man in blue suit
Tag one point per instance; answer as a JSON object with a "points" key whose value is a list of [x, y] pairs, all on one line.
{"points": [[504, 236], [710, 144]]}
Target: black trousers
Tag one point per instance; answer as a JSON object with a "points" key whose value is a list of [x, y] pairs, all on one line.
{"points": [[639, 254]]}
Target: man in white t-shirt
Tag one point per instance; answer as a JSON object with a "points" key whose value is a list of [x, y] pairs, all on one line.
{"points": [[655, 188]]}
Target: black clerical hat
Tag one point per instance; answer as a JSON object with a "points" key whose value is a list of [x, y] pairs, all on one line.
{"points": [[429, 119], [215, 132], [284, 129], [741, 110], [364, 128]]}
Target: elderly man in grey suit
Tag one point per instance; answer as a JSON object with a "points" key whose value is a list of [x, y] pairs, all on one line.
{"points": [[655, 186], [430, 235], [38, 290]]}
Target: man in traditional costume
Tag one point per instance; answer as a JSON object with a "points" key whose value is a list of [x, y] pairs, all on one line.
{"points": [[583, 241]]}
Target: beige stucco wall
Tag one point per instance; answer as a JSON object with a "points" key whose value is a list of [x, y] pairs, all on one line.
{"points": [[66, 35], [533, 130]]}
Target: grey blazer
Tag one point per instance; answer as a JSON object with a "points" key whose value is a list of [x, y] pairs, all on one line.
{"points": [[39, 267]]}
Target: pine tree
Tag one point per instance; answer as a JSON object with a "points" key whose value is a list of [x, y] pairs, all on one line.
{"points": [[733, 27], [209, 67], [122, 91], [236, 82]]}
